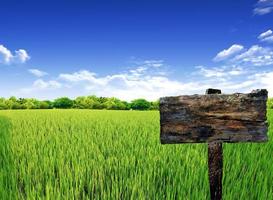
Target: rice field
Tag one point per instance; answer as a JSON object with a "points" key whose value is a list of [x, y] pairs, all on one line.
{"points": [[89, 154]]}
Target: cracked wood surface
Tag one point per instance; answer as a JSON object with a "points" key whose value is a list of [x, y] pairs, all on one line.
{"points": [[214, 117]]}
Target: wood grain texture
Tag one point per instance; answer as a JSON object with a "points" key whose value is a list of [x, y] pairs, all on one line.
{"points": [[214, 117]]}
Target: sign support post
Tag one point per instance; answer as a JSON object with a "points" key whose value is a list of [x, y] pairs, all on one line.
{"points": [[215, 163]]}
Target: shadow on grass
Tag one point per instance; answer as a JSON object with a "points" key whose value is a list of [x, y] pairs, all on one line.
{"points": [[7, 183]]}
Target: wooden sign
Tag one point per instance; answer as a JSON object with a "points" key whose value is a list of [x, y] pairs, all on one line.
{"points": [[214, 117]]}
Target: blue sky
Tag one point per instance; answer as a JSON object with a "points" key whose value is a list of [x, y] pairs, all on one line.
{"points": [[134, 49]]}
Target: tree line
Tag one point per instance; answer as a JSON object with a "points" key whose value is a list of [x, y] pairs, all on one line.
{"points": [[83, 102]]}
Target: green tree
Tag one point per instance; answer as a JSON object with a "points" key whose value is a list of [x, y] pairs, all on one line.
{"points": [[155, 105], [32, 104], [9, 102], [63, 102], [21, 102], [45, 104], [126, 104], [89, 102], [140, 104], [114, 104], [79, 102], [121, 105], [3, 105], [109, 104]]}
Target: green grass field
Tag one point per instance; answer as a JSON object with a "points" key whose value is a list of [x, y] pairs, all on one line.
{"points": [[87, 154]]}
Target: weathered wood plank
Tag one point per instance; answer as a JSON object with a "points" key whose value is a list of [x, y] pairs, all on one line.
{"points": [[214, 117]]}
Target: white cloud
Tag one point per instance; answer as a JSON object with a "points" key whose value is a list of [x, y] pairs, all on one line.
{"points": [[262, 11], [268, 39], [135, 83], [220, 72], [256, 56], [263, 7], [149, 83], [266, 36], [134, 77], [144, 84], [21, 56], [6, 56], [138, 82], [256, 80], [41, 85], [227, 53], [83, 75], [245, 83], [154, 63], [37, 72], [265, 81]]}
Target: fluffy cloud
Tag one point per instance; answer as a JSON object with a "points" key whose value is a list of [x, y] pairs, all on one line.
{"points": [[151, 87], [263, 7], [37, 72], [129, 85], [147, 80], [151, 79], [256, 56], [264, 80], [151, 82], [19, 56], [5, 55], [266, 36], [244, 83], [144, 81], [220, 72], [41, 85], [227, 53], [82, 75]]}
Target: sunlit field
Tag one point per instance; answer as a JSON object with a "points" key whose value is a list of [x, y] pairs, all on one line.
{"points": [[89, 154]]}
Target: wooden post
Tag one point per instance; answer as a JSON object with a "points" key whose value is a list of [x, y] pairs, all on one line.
{"points": [[215, 163]]}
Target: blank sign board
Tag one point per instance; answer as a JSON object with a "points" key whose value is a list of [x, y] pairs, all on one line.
{"points": [[214, 117]]}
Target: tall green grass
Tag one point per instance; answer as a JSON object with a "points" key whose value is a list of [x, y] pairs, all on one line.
{"points": [[7, 175], [88, 154]]}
